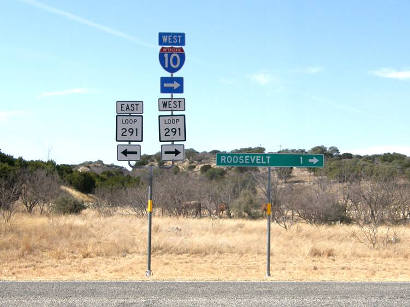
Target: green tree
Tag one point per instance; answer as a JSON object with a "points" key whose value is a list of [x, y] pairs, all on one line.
{"points": [[247, 205], [68, 205], [215, 173], [346, 155], [7, 159], [249, 150], [205, 168], [82, 181], [64, 170], [190, 154]]}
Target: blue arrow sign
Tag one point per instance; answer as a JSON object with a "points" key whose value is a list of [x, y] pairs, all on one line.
{"points": [[172, 58], [172, 85], [171, 39]]}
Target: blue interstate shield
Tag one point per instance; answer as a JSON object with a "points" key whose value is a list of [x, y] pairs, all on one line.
{"points": [[172, 58]]}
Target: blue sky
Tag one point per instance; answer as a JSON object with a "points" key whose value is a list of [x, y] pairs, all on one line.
{"points": [[277, 74]]}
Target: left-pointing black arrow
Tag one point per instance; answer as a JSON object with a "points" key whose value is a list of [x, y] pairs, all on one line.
{"points": [[127, 152], [176, 152]]}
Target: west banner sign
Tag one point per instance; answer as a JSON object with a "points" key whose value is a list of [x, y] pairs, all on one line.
{"points": [[171, 39]]}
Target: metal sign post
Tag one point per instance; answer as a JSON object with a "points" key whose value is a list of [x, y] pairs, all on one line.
{"points": [[268, 214], [148, 273], [269, 160], [172, 128]]}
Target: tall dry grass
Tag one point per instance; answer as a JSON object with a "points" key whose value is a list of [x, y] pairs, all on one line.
{"points": [[90, 246]]}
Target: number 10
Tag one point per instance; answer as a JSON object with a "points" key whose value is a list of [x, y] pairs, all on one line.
{"points": [[172, 60]]}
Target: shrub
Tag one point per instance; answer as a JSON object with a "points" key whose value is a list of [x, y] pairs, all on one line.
{"points": [[408, 173], [284, 173], [190, 154], [82, 181], [319, 205], [246, 205], [205, 168], [215, 173], [68, 205]]}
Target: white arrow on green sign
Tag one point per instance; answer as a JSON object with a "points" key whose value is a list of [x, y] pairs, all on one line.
{"points": [[274, 160]]}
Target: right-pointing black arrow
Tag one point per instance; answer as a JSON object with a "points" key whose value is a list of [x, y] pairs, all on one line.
{"points": [[127, 152], [176, 152]]}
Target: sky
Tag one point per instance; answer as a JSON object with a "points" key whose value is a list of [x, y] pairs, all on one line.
{"points": [[277, 74]]}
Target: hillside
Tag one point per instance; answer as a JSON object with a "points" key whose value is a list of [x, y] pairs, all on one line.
{"points": [[242, 190]]}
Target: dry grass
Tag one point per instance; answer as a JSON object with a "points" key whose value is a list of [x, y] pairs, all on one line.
{"points": [[92, 247], [87, 198]]}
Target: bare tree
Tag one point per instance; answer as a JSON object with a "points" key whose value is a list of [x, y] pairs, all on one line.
{"points": [[284, 173], [172, 190], [280, 205], [135, 197], [107, 199], [283, 212], [10, 190], [319, 203], [207, 190], [400, 207], [371, 207], [216, 195], [39, 187]]}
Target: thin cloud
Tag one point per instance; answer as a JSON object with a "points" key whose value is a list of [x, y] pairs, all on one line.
{"points": [[392, 73], [226, 81], [261, 78], [313, 70], [6, 115], [66, 92], [336, 105], [86, 22], [310, 70]]}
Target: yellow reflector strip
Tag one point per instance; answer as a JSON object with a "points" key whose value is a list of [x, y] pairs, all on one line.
{"points": [[269, 209], [149, 209]]}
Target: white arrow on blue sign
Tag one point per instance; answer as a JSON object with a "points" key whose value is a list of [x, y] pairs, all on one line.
{"points": [[171, 39], [172, 58], [172, 85]]}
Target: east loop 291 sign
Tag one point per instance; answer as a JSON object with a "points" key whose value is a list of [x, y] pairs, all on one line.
{"points": [[129, 128]]}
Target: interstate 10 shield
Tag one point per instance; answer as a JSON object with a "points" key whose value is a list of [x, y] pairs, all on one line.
{"points": [[172, 58]]}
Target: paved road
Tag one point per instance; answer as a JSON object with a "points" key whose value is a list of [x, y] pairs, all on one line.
{"points": [[203, 294]]}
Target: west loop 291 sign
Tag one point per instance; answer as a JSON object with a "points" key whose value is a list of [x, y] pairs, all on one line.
{"points": [[171, 128], [172, 58]]}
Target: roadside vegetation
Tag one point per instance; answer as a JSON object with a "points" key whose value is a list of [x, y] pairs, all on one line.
{"points": [[355, 210]]}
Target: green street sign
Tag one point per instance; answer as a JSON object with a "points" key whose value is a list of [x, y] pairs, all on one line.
{"points": [[274, 160]]}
